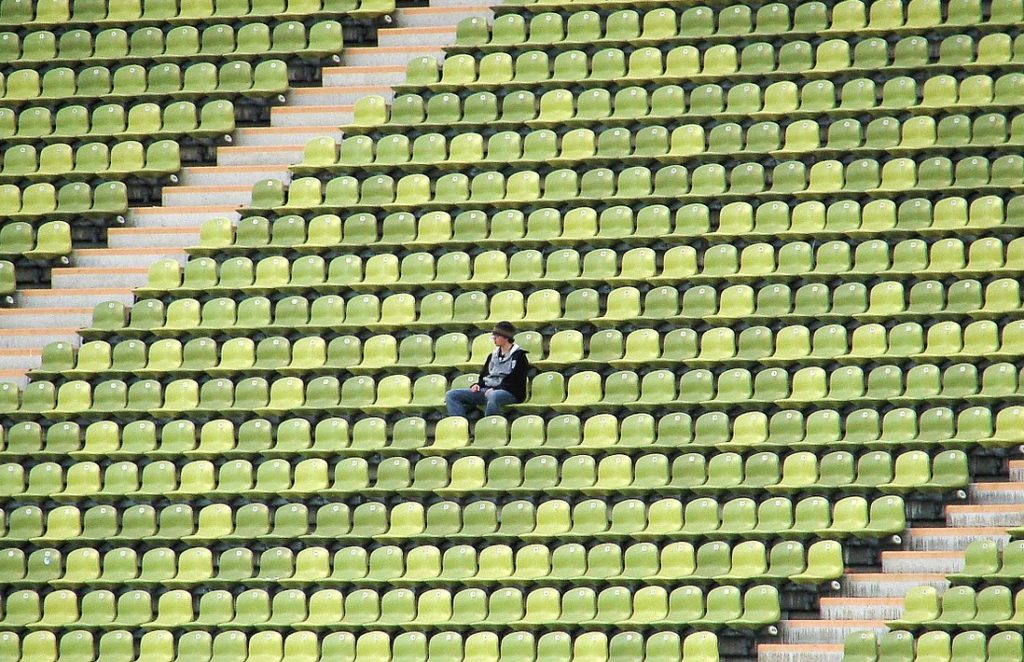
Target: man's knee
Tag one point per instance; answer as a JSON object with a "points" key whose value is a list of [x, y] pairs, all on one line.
{"points": [[497, 401]]}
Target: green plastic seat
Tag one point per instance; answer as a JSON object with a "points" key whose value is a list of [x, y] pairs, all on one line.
{"points": [[861, 646], [1005, 645]]}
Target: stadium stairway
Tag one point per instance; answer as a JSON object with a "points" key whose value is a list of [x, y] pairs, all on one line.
{"points": [[865, 600], [52, 314]]}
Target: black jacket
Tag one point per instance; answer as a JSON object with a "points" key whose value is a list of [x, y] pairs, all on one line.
{"points": [[508, 374]]}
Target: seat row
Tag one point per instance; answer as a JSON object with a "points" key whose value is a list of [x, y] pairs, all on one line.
{"points": [[397, 609], [912, 471], [939, 645], [632, 104], [61, 85], [723, 346], [824, 179], [659, 390], [60, 13], [743, 388], [570, 563], [62, 161], [187, 317], [144, 120], [473, 522], [642, 348], [73, 200], [183, 43], [180, 438], [917, 133], [848, 14], [985, 562], [49, 241], [799, 472], [546, 26], [961, 608], [533, 69], [656, 143], [456, 270], [773, 220], [275, 353], [255, 395], [308, 646], [785, 431]]}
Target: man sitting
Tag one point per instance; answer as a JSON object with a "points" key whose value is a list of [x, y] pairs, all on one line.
{"points": [[502, 378]]}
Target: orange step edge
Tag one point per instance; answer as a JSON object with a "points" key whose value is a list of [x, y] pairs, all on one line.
{"points": [[37, 332], [921, 553], [99, 270], [460, 9], [341, 107], [155, 250], [183, 209], [347, 88], [220, 188], [804, 623], [434, 29], [827, 648], [185, 229], [364, 68], [77, 290], [861, 601]]}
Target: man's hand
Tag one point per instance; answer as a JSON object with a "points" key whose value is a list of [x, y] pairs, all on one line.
{"points": [[474, 388]]}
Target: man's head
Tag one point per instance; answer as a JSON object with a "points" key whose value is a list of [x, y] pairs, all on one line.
{"points": [[503, 334]]}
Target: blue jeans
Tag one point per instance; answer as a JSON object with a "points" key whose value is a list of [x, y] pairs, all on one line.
{"points": [[460, 398]]}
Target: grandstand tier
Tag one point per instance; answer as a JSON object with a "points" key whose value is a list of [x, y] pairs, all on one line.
{"points": [[764, 259]]}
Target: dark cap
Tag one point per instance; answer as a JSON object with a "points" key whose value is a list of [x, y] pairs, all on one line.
{"points": [[505, 330]]}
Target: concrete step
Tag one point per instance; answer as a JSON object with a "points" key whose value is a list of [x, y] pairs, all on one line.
{"points": [[326, 96], [1010, 514], [952, 539], [197, 196], [454, 3], [72, 298], [900, 563], [178, 217], [424, 17], [283, 136], [437, 36], [37, 318], [813, 631], [360, 76], [20, 359], [888, 585], [224, 175], [284, 155], [306, 116], [997, 492], [16, 376], [116, 258], [799, 652], [98, 277], [398, 55], [860, 609], [37, 338], [144, 238]]}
